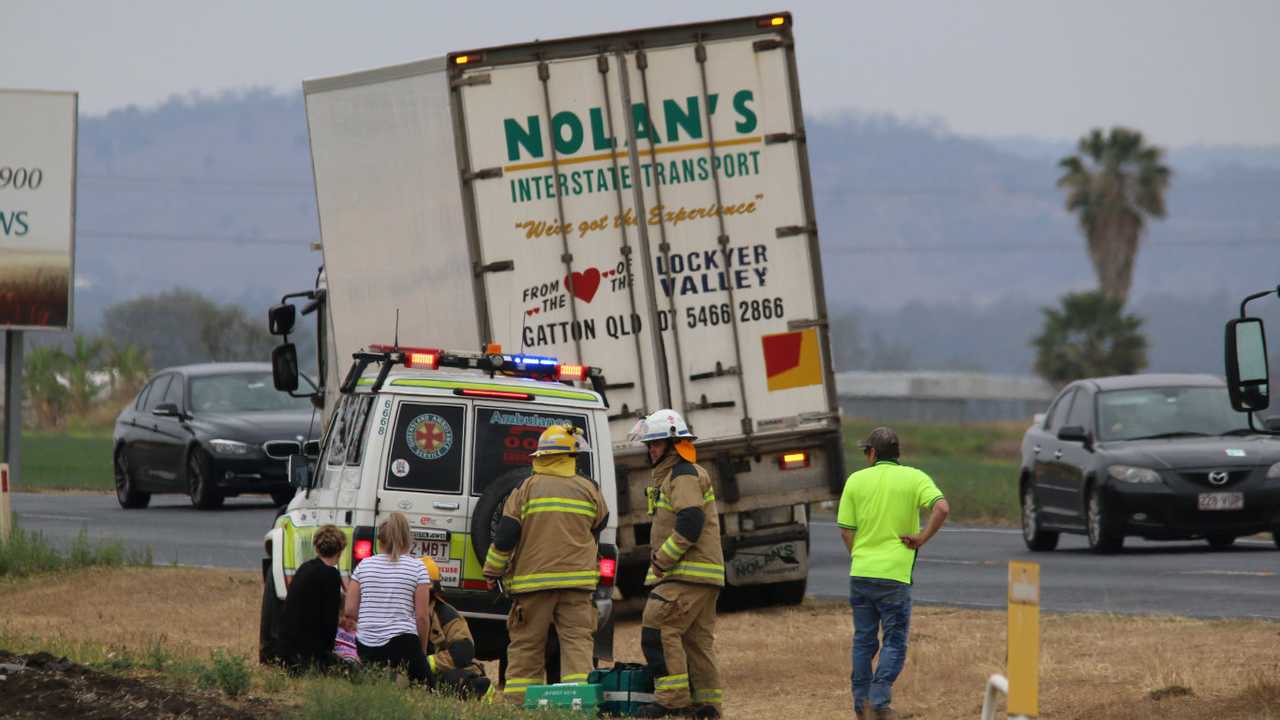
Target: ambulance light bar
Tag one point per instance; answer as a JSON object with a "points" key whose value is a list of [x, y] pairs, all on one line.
{"points": [[492, 360]]}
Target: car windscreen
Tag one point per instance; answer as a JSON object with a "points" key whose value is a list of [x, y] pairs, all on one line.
{"points": [[1166, 412], [505, 438], [240, 392]]}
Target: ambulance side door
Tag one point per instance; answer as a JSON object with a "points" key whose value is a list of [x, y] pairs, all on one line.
{"points": [[423, 475]]}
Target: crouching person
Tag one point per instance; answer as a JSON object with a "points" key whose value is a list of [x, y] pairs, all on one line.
{"points": [[451, 651]]}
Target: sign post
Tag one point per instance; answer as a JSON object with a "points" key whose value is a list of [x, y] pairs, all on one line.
{"points": [[37, 233], [1024, 640]]}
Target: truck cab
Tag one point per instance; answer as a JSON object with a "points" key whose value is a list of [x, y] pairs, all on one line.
{"points": [[443, 437]]}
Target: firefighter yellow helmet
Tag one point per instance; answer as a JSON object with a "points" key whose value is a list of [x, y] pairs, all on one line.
{"points": [[433, 570], [561, 440]]}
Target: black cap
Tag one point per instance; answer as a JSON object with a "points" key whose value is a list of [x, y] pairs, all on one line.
{"points": [[884, 441]]}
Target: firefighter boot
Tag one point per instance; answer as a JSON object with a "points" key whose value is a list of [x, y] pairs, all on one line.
{"points": [[654, 710]]}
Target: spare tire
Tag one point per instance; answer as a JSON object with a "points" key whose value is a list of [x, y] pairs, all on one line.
{"points": [[488, 511]]}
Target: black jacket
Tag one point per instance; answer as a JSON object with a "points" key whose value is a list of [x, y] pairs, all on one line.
{"points": [[310, 622]]}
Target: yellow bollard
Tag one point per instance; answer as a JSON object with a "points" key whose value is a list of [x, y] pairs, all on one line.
{"points": [[1024, 639], [6, 511]]}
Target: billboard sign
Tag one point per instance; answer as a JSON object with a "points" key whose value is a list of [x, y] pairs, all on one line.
{"points": [[37, 208]]}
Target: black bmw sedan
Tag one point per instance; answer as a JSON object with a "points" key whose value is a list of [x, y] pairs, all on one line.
{"points": [[1162, 457], [210, 431]]}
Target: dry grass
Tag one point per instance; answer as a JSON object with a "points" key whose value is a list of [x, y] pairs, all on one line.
{"points": [[785, 662]]}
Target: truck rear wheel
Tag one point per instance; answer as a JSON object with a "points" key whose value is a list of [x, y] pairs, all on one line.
{"points": [[787, 593]]}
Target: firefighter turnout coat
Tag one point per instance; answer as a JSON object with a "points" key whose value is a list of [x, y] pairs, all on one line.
{"points": [[546, 539], [686, 525]]}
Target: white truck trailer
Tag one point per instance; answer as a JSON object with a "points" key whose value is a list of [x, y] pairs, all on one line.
{"points": [[637, 201]]}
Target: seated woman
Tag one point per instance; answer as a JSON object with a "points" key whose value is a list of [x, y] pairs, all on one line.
{"points": [[388, 601], [452, 650], [310, 619]]}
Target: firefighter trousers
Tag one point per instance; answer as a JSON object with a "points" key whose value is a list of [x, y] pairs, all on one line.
{"points": [[532, 615], [678, 637]]}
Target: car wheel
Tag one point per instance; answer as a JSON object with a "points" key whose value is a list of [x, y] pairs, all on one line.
{"points": [[269, 623], [1103, 537], [1275, 536], [1221, 542], [1037, 538], [200, 481], [282, 497], [126, 494]]}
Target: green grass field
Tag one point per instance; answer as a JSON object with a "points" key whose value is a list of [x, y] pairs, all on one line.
{"points": [[65, 461], [975, 465]]}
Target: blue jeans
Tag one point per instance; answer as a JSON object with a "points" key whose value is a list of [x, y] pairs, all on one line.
{"points": [[878, 603]]}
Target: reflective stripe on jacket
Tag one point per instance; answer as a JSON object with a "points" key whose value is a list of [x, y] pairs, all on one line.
{"points": [[559, 518]]}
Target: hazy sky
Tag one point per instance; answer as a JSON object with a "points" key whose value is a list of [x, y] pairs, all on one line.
{"points": [[1183, 71]]}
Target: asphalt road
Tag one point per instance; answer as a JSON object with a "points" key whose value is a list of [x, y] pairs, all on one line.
{"points": [[968, 567], [963, 566]]}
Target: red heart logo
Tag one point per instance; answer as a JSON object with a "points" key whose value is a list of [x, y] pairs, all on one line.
{"points": [[583, 284]]}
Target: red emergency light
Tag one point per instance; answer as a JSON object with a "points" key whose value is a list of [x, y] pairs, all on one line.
{"points": [[495, 394], [574, 373]]}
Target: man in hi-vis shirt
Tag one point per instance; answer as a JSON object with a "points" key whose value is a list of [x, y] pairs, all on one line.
{"points": [[879, 519]]}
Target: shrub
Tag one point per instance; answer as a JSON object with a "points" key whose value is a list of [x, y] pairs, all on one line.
{"points": [[226, 672]]}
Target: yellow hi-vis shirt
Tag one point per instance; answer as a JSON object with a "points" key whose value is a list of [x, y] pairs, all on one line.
{"points": [[880, 504]]}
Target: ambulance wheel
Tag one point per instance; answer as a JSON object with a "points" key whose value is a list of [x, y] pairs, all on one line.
{"points": [[787, 593], [484, 521], [268, 629], [126, 494], [200, 481]]}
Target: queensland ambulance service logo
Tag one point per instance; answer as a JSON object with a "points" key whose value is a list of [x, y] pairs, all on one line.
{"points": [[429, 436]]}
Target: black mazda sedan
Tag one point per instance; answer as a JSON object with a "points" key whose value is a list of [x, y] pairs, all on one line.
{"points": [[1162, 457], [211, 432]]}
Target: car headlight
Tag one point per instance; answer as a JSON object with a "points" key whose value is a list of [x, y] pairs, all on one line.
{"points": [[1273, 472], [229, 447], [1131, 474]]}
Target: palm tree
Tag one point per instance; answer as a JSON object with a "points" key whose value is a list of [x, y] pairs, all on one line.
{"points": [[1113, 184], [1090, 336], [128, 365]]}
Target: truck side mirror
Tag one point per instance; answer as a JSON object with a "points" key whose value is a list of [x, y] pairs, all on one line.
{"points": [[1247, 372], [281, 319], [299, 471], [284, 368]]}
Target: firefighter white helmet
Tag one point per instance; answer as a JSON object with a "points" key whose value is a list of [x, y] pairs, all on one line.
{"points": [[662, 425]]}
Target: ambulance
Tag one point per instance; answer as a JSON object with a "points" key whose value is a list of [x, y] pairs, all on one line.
{"points": [[443, 437]]}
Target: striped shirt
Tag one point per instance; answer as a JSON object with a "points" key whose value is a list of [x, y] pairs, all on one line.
{"points": [[386, 597]]}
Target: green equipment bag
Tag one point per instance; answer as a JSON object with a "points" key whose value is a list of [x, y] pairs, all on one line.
{"points": [[626, 687], [586, 698]]}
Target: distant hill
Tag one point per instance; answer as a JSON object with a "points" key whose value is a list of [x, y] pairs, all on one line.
{"points": [[941, 244]]}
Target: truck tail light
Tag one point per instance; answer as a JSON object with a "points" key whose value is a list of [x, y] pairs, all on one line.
{"points": [[608, 571], [467, 58], [794, 460], [773, 21]]}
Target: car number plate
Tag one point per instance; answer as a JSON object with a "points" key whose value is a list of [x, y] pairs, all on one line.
{"points": [[1221, 501]]}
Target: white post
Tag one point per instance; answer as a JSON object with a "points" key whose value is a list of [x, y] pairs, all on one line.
{"points": [[6, 518]]}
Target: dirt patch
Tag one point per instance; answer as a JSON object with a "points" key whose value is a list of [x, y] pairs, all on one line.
{"points": [[791, 662], [43, 686]]}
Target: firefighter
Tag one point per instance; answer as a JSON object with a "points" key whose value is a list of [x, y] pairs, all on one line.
{"points": [[686, 573], [451, 651], [546, 551]]}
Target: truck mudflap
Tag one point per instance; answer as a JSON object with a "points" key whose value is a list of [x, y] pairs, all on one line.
{"points": [[771, 556]]}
